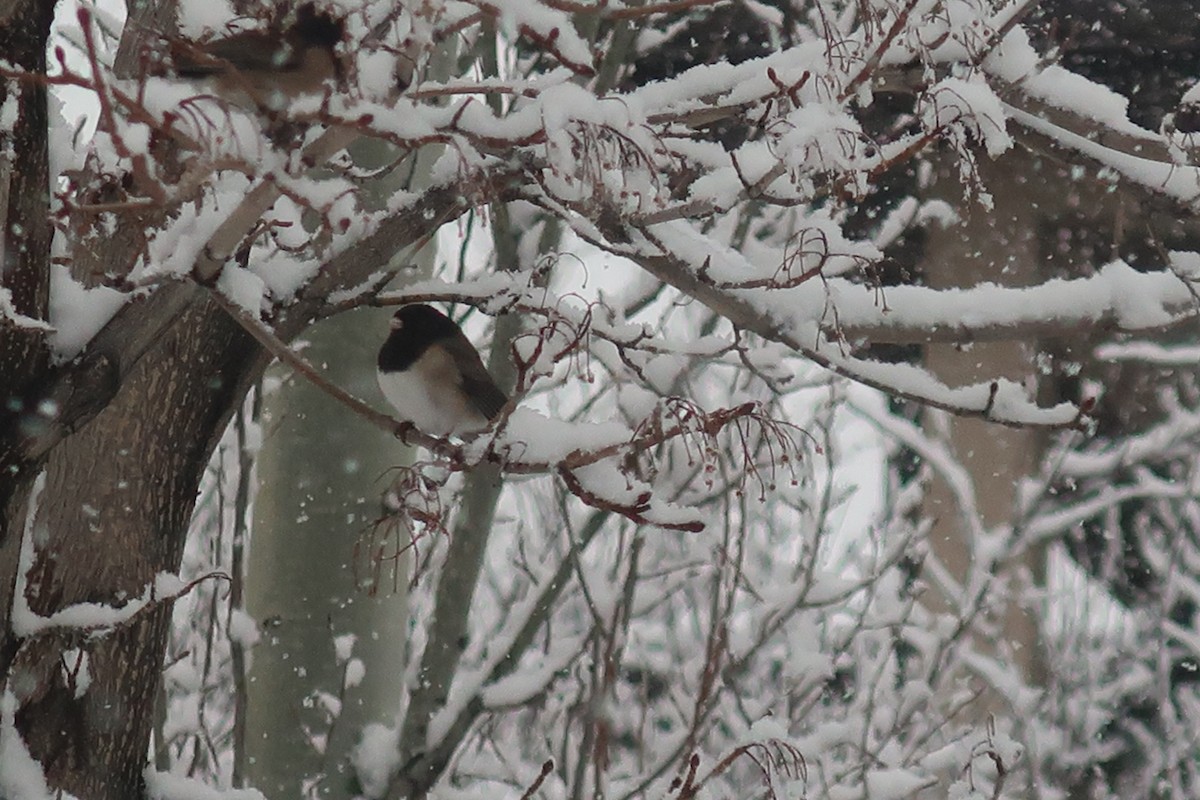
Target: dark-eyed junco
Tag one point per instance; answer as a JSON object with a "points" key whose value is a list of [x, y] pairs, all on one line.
{"points": [[433, 375], [295, 55]]}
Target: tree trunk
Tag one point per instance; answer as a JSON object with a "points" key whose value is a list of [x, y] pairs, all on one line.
{"points": [[24, 272], [321, 472], [113, 516], [321, 475], [998, 245]]}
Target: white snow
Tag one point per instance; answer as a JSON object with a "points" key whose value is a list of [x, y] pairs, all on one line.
{"points": [[21, 777], [816, 593], [766, 729], [10, 313], [1017, 62], [244, 289], [356, 670], [78, 313], [202, 20], [166, 786], [971, 105], [1174, 180], [895, 784], [375, 757], [243, 629], [533, 437], [343, 646]]}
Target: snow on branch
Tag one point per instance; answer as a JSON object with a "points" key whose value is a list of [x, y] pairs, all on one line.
{"points": [[84, 619], [683, 257], [598, 462], [622, 168]]}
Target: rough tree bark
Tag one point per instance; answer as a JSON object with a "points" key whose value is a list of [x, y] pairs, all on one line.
{"points": [[24, 273], [117, 500]]}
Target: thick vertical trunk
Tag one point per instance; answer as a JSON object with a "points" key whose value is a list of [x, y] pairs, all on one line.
{"points": [[996, 245], [321, 472], [113, 515], [24, 267], [24, 197]]}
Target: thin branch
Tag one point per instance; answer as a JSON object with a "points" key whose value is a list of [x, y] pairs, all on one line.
{"points": [[278, 348]]}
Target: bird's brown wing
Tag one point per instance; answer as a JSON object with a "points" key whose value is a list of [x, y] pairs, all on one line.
{"points": [[247, 51], [477, 383]]}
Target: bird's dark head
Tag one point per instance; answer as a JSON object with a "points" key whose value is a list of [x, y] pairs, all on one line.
{"points": [[317, 28], [414, 328], [422, 320]]}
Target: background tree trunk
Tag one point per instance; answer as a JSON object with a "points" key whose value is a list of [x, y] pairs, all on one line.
{"points": [[321, 476], [321, 473], [1000, 240]]}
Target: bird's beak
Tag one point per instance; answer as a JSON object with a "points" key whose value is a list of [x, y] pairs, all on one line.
{"points": [[396, 323]]}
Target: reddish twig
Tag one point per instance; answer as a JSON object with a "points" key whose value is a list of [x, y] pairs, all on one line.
{"points": [[547, 768]]}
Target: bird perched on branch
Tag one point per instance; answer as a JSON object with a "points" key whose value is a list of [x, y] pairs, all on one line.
{"points": [[295, 54], [433, 375]]}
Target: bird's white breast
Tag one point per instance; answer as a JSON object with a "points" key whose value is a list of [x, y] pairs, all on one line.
{"points": [[429, 394]]}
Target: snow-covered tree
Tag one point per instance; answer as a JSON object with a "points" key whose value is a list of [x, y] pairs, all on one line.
{"points": [[811, 428]]}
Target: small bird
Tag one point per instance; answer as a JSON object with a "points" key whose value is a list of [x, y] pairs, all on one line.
{"points": [[433, 375], [295, 55]]}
